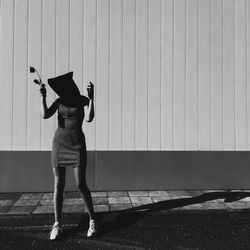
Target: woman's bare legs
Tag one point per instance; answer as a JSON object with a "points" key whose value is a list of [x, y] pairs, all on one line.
{"points": [[59, 183], [84, 190]]}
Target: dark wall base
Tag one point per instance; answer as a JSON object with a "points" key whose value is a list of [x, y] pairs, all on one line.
{"points": [[30, 171]]}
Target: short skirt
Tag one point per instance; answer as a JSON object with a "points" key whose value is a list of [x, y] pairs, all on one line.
{"points": [[68, 148]]}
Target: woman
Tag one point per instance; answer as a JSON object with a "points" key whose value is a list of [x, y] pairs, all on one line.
{"points": [[69, 149]]}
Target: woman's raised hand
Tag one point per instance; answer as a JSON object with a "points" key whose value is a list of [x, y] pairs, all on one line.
{"points": [[43, 90], [90, 89]]}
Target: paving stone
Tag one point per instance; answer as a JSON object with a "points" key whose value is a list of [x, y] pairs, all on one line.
{"points": [[72, 201], [245, 199], [139, 205], [72, 195], [67, 208], [159, 198], [117, 200], [21, 210], [246, 204], [46, 202], [214, 190], [101, 208], [141, 199], [26, 202], [48, 196], [193, 207], [7, 202], [117, 207], [138, 193], [78, 209], [236, 205], [43, 209], [31, 196], [177, 208], [158, 193], [178, 194], [117, 193], [213, 205], [4, 210], [9, 196], [99, 200], [99, 194], [194, 193]]}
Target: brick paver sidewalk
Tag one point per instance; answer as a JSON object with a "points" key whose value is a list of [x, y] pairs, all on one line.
{"points": [[105, 201]]}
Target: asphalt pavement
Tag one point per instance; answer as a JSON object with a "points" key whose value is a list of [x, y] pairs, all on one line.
{"points": [[132, 229]]}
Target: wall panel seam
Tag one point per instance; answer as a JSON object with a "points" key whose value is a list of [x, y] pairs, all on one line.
{"points": [[41, 61], [122, 72], [173, 71], [235, 123], [222, 65], [198, 54], [148, 16], [135, 76], [55, 69], [69, 40], [160, 74], [185, 86], [109, 74], [246, 26], [13, 72], [82, 60], [96, 56], [210, 65], [27, 78]]}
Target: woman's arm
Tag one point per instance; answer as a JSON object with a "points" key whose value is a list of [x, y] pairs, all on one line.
{"points": [[45, 111], [89, 109]]}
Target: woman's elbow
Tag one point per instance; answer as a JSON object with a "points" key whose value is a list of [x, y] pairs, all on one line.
{"points": [[44, 116], [89, 119]]}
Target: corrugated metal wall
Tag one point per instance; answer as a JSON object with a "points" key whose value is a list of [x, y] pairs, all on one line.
{"points": [[168, 74]]}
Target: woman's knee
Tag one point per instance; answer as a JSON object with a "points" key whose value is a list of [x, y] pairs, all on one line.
{"points": [[82, 186], [59, 185]]}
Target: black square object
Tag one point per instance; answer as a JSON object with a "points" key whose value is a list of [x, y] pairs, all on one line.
{"points": [[65, 88]]}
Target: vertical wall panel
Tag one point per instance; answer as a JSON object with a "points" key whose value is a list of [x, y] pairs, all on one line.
{"points": [[204, 77], [62, 36], [128, 88], [154, 76], [48, 67], [89, 61], [228, 76], [240, 74], [34, 59], [141, 92], [76, 42], [179, 75], [216, 75], [167, 53], [6, 67], [102, 81], [115, 108], [191, 74], [20, 75], [248, 74]]}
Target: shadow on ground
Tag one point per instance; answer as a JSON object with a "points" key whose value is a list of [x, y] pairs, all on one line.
{"points": [[111, 221]]}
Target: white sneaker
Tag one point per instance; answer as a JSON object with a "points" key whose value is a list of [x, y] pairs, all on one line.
{"points": [[93, 228], [55, 232]]}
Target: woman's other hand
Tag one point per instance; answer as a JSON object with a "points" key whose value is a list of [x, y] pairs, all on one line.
{"points": [[90, 89], [43, 90]]}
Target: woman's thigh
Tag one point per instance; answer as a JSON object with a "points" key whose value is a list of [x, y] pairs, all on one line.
{"points": [[80, 175], [59, 174]]}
